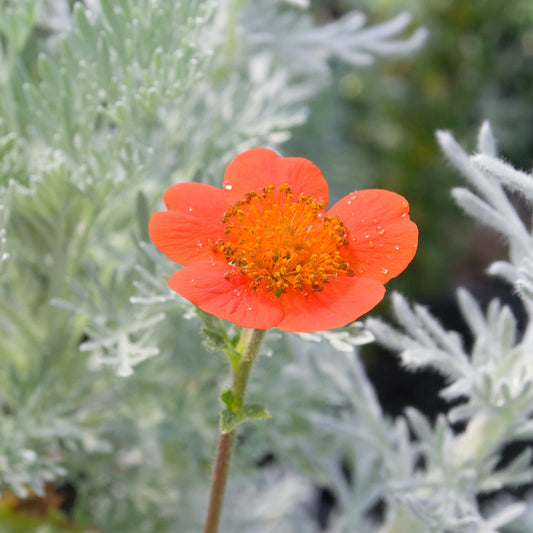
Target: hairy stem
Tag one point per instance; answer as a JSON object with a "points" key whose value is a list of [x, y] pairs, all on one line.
{"points": [[218, 482], [248, 347]]}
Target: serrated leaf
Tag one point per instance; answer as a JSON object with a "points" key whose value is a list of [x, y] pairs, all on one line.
{"points": [[229, 419]]}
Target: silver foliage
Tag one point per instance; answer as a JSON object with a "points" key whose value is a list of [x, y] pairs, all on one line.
{"points": [[128, 97], [489, 383], [122, 99]]}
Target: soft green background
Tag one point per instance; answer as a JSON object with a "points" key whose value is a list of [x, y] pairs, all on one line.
{"points": [[378, 128]]}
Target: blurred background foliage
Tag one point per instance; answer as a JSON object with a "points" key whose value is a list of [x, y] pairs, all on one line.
{"points": [[373, 127], [377, 129]]}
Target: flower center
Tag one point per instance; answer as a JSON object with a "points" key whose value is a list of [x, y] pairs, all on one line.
{"points": [[278, 241]]}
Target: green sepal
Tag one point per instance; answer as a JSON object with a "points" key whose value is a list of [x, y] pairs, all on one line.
{"points": [[229, 419], [228, 398], [215, 339], [213, 329]]}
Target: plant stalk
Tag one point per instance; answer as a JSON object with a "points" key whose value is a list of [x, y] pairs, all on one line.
{"points": [[248, 347]]}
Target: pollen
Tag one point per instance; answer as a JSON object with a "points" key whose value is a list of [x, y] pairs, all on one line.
{"points": [[281, 241]]}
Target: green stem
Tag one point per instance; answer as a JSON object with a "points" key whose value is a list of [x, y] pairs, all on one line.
{"points": [[248, 347]]}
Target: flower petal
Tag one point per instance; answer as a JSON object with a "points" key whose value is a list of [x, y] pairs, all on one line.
{"points": [[208, 285], [193, 222], [342, 301], [383, 239], [256, 168]]}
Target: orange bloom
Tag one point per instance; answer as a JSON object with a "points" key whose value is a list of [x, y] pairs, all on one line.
{"points": [[263, 252]]}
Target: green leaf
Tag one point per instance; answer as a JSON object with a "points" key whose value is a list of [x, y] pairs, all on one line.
{"points": [[229, 419], [228, 398]]}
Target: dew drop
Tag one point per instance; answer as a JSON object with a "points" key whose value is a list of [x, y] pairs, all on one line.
{"points": [[366, 236], [380, 230], [371, 244], [397, 247], [360, 270], [228, 187], [190, 209], [249, 308], [374, 221], [200, 244], [384, 270]]}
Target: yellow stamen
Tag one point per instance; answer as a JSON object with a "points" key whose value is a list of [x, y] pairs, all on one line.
{"points": [[278, 241]]}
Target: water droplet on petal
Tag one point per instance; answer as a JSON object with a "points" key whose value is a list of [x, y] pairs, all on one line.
{"points": [[371, 244], [249, 308], [200, 244], [380, 230], [374, 221], [360, 270], [228, 187], [190, 209], [384, 270], [397, 247]]}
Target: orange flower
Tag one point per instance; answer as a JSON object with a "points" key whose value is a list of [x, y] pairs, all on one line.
{"points": [[263, 252]]}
